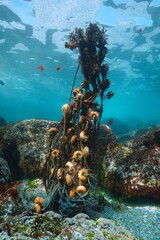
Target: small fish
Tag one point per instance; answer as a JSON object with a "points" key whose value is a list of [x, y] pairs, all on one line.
{"points": [[2, 83], [133, 56], [33, 13], [110, 121], [109, 95], [41, 68], [139, 30], [58, 68]]}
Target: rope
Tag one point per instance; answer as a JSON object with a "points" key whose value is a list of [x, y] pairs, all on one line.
{"points": [[75, 76]]}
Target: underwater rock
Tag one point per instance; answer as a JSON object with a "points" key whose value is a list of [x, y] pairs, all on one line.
{"points": [[131, 135], [2, 122], [146, 125], [148, 138], [134, 169], [19, 196], [25, 145], [51, 225], [126, 136], [4, 171], [105, 140], [32, 144], [118, 126]]}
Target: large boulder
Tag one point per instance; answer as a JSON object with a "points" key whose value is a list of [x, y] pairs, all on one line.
{"points": [[134, 169], [25, 145]]}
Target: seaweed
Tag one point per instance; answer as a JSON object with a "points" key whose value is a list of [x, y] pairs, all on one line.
{"points": [[71, 166]]}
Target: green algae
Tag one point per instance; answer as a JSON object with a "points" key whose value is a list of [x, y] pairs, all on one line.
{"points": [[32, 183], [120, 146], [105, 234], [90, 235], [39, 227]]}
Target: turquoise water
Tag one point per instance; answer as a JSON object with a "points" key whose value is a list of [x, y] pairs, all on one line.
{"points": [[32, 33]]}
